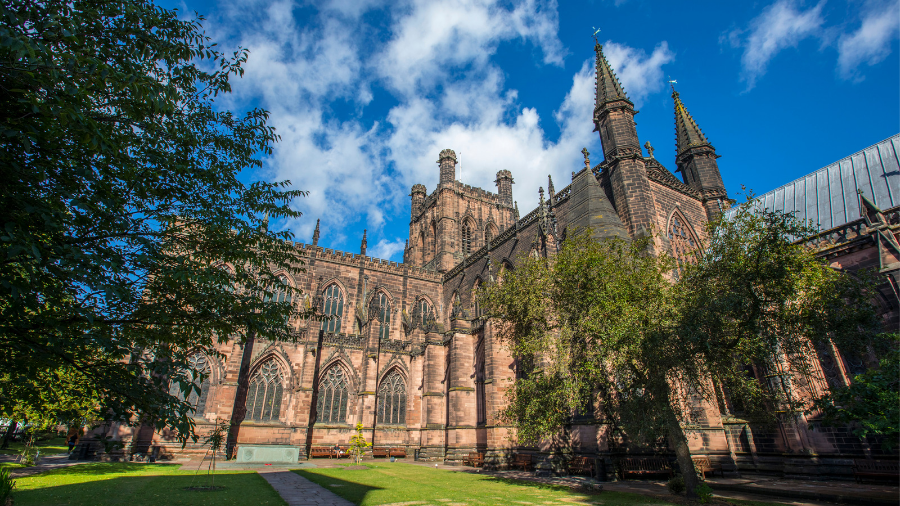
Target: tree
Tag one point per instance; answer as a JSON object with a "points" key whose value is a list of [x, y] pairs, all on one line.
{"points": [[871, 403], [358, 443], [128, 240], [606, 324]]}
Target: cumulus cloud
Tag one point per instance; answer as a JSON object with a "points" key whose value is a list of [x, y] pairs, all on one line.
{"points": [[871, 42], [639, 74], [316, 76], [780, 26]]}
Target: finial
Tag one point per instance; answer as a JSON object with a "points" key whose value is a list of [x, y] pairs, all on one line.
{"points": [[550, 184], [541, 192], [517, 209], [649, 148], [672, 84], [316, 234], [573, 175], [265, 222], [362, 248], [587, 158], [596, 31]]}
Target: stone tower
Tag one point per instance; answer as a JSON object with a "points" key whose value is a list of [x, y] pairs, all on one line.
{"points": [[696, 160], [456, 219], [623, 165]]}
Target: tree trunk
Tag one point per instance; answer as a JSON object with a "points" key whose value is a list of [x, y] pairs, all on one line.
{"points": [[683, 453], [9, 432]]}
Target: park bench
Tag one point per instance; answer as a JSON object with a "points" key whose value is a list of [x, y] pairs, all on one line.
{"points": [[475, 459], [582, 465], [646, 467], [379, 452], [397, 452], [876, 470], [523, 461], [320, 453], [702, 464]]}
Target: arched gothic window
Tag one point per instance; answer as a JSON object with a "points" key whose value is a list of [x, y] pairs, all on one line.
{"points": [[425, 313], [466, 238], [683, 243], [198, 365], [392, 400], [333, 397], [383, 315], [334, 305], [489, 234], [280, 292], [264, 394]]}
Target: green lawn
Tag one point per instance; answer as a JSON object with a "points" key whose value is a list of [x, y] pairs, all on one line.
{"points": [[129, 484], [51, 446], [404, 483]]}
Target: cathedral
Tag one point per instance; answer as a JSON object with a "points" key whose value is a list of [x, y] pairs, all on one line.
{"points": [[409, 355]]}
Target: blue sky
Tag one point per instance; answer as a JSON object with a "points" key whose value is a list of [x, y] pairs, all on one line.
{"points": [[365, 93]]}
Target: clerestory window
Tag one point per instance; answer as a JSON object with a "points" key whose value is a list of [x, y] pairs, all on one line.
{"points": [[334, 306]]}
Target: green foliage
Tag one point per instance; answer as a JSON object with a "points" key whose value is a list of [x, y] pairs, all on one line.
{"points": [[120, 203], [606, 326], [7, 484], [676, 485], [358, 443], [704, 492], [871, 404], [29, 455]]}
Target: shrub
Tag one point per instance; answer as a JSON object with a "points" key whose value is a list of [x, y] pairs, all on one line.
{"points": [[7, 484], [676, 485], [704, 493]]}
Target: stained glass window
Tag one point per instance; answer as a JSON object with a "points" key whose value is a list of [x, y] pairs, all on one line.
{"points": [[392, 400], [265, 392], [683, 243], [333, 397], [383, 314], [466, 238], [198, 365], [334, 305]]}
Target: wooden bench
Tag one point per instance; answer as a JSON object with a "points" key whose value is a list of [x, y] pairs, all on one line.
{"points": [[344, 453], [523, 461], [876, 470], [320, 453], [582, 465], [379, 452], [397, 452], [646, 467], [702, 464], [475, 459]]}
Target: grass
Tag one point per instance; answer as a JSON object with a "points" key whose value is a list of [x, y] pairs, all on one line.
{"points": [[132, 484], [404, 483], [48, 447]]}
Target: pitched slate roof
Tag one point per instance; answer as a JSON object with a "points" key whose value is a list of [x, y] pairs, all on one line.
{"points": [[828, 196]]}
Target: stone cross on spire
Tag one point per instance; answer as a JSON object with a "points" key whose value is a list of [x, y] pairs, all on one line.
{"points": [[650, 148], [587, 158]]}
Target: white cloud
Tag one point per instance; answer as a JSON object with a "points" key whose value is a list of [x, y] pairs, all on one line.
{"points": [[871, 42], [435, 58], [779, 26], [388, 249], [639, 74]]}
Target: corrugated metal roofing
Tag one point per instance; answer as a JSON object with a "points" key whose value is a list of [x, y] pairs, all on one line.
{"points": [[828, 196]]}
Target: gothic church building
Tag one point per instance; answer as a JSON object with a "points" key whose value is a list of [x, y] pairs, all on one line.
{"points": [[408, 353]]}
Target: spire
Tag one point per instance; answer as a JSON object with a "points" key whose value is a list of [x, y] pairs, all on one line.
{"points": [[316, 235], [551, 191], [609, 89], [362, 247], [687, 133]]}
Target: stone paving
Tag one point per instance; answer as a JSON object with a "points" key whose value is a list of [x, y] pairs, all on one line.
{"points": [[298, 491], [46, 463]]}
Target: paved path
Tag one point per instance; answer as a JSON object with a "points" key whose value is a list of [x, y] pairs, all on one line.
{"points": [[298, 491], [46, 463]]}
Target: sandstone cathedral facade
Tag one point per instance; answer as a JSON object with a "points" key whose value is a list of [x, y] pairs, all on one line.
{"points": [[408, 354]]}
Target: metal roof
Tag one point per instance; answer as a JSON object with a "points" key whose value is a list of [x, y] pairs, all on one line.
{"points": [[828, 196]]}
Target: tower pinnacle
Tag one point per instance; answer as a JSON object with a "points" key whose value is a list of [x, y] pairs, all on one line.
{"points": [[609, 89], [687, 133]]}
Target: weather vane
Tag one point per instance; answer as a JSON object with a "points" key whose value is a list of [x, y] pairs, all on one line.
{"points": [[596, 31], [672, 83]]}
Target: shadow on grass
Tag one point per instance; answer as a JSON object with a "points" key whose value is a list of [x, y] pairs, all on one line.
{"points": [[352, 491], [240, 489], [98, 468]]}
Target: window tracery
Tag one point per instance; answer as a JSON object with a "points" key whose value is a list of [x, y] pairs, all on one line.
{"points": [[265, 392], [392, 400], [198, 367], [467, 238], [383, 315], [333, 396], [682, 242], [333, 305]]}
